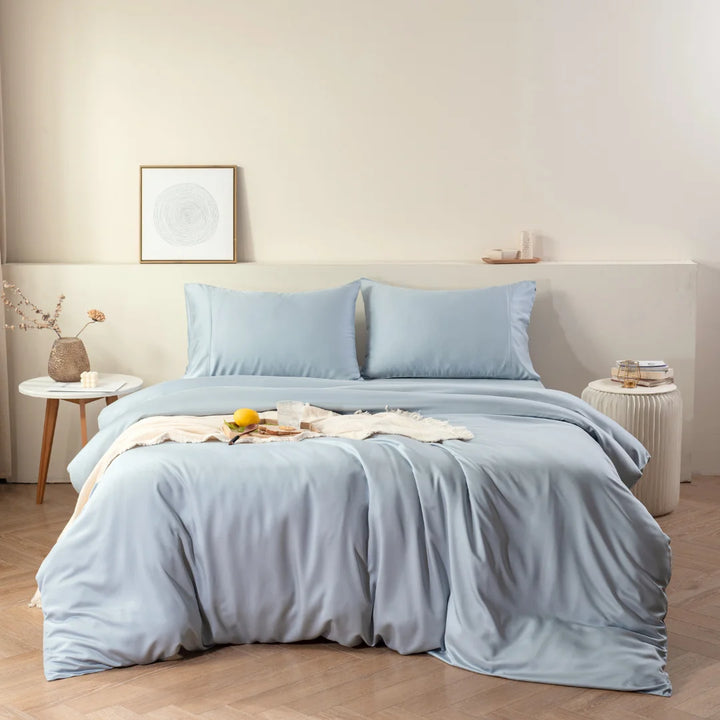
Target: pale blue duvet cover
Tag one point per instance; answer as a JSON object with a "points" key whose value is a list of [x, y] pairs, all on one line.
{"points": [[521, 553]]}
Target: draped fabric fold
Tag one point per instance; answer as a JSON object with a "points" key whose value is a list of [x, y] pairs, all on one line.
{"points": [[5, 448]]}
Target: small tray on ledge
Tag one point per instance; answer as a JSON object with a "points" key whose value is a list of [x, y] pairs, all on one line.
{"points": [[514, 261]]}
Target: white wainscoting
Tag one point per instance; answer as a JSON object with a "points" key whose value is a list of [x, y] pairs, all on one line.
{"points": [[586, 316]]}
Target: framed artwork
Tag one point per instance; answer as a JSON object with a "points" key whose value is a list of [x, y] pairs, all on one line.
{"points": [[188, 213]]}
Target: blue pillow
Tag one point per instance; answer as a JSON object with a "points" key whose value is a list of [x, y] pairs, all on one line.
{"points": [[301, 334], [448, 333]]}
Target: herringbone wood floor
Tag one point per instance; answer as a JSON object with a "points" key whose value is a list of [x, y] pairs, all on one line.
{"points": [[323, 680]]}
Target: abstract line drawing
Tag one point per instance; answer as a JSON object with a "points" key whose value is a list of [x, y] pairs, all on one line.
{"points": [[185, 214], [188, 213]]}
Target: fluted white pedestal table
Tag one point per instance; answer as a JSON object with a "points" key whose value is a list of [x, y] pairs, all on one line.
{"points": [[654, 416]]}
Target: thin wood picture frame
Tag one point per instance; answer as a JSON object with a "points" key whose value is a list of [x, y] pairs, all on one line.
{"points": [[188, 213]]}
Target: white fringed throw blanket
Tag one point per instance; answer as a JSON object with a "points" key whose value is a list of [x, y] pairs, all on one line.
{"points": [[324, 423]]}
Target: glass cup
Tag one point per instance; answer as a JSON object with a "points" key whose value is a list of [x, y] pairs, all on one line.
{"points": [[290, 412], [629, 373]]}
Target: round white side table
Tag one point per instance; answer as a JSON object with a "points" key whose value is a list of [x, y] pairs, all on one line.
{"points": [[110, 386], [654, 416]]}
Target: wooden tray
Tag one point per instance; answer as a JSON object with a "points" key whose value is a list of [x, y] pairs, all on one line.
{"points": [[230, 434], [516, 261]]}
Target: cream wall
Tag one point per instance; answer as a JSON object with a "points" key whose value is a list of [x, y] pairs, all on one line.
{"points": [[393, 130]]}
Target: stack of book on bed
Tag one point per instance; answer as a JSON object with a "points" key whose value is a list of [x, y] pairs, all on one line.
{"points": [[652, 373]]}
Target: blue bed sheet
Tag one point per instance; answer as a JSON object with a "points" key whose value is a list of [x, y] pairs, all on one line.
{"points": [[521, 553]]}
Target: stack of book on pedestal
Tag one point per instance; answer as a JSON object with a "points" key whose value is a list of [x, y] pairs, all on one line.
{"points": [[652, 373]]}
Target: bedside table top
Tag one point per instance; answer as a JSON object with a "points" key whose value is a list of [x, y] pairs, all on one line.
{"points": [[109, 384], [610, 386]]}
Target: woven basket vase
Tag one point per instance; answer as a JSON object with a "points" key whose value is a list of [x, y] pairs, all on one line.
{"points": [[68, 358]]}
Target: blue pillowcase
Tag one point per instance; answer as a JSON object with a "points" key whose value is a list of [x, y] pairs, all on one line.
{"points": [[448, 334], [479, 333], [300, 334]]}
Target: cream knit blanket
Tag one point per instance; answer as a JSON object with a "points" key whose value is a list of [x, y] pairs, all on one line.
{"points": [[324, 423]]}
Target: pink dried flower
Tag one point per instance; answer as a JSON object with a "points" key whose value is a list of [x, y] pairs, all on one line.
{"points": [[95, 316]]}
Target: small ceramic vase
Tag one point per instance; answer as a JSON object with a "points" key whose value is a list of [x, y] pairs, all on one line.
{"points": [[68, 358]]}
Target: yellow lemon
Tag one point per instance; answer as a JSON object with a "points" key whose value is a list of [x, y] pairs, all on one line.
{"points": [[245, 416]]}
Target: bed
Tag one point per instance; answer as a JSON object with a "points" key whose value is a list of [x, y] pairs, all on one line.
{"points": [[520, 552]]}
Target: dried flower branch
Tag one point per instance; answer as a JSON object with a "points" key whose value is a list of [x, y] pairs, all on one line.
{"points": [[33, 318], [26, 309]]}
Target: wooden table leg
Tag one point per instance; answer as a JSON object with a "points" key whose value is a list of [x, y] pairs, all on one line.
{"points": [[83, 422], [110, 399], [51, 410]]}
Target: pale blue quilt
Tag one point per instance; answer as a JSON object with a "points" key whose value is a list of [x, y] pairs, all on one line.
{"points": [[521, 553]]}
